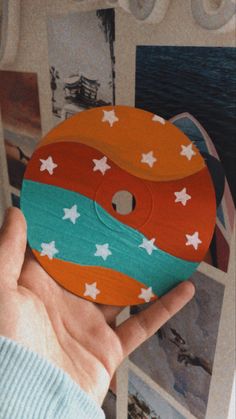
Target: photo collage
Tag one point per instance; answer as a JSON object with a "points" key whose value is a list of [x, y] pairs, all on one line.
{"points": [[190, 86]]}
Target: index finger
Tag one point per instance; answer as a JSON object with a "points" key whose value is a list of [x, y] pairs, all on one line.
{"points": [[139, 327]]}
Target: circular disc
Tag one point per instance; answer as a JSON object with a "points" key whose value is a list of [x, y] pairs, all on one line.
{"points": [[119, 204]]}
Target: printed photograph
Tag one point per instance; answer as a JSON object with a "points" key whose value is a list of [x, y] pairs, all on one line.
{"points": [[180, 356], [20, 113], [145, 403], [219, 252], [82, 61], [195, 88]]}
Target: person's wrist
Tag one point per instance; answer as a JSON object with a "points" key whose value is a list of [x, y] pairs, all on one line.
{"points": [[30, 383]]}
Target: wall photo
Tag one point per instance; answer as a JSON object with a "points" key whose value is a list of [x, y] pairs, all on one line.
{"points": [[20, 113], [195, 88], [82, 61], [180, 356]]}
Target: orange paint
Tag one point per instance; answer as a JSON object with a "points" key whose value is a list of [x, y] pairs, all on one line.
{"points": [[135, 133], [156, 214], [116, 288], [74, 144]]}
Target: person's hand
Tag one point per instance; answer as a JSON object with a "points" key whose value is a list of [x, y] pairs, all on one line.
{"points": [[75, 334]]}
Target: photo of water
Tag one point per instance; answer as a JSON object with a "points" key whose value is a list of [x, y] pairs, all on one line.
{"points": [[171, 80], [180, 355]]}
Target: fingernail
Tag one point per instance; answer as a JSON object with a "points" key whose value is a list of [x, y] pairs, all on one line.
{"points": [[194, 286]]}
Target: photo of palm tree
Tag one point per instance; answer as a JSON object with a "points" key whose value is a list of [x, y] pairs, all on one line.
{"points": [[81, 61]]}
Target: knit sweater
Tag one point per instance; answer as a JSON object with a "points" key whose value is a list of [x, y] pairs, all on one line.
{"points": [[33, 388]]}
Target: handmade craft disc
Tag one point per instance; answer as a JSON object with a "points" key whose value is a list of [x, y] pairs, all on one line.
{"points": [[119, 204]]}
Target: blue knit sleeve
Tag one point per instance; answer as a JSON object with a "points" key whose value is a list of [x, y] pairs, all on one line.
{"points": [[33, 388]]}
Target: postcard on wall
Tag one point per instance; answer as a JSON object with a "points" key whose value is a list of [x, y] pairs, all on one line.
{"points": [[195, 88], [82, 61], [20, 113], [180, 355]]}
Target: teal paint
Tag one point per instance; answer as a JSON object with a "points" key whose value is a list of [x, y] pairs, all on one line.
{"points": [[43, 205]]}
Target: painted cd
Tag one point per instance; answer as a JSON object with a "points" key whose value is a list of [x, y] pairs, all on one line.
{"points": [[119, 204]]}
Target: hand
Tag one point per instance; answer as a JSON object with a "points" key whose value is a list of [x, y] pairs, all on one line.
{"points": [[75, 334]]}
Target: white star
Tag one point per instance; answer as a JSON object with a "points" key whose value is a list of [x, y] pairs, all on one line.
{"points": [[101, 165], [48, 249], [182, 196], [103, 251], [157, 118], [71, 214], [148, 158], [91, 290], [110, 116], [148, 245], [187, 151], [193, 240], [48, 165], [146, 294]]}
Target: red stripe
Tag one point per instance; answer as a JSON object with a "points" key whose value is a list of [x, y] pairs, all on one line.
{"points": [[156, 214]]}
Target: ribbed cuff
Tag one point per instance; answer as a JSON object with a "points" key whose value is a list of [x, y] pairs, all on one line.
{"points": [[33, 388]]}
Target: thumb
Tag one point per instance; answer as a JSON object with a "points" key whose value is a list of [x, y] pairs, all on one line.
{"points": [[12, 247]]}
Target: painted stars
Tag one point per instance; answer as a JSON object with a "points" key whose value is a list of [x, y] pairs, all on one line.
{"points": [[148, 245], [146, 294], [110, 117], [101, 165], [48, 165], [187, 151], [182, 196], [148, 158], [49, 250], [103, 251], [71, 214], [193, 240], [157, 118], [91, 290]]}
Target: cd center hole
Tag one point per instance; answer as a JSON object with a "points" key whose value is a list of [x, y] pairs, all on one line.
{"points": [[123, 202]]}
